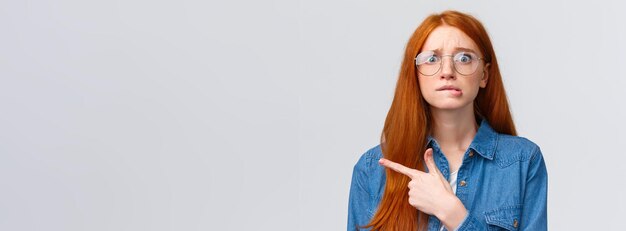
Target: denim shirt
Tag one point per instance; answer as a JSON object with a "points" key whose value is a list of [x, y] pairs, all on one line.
{"points": [[502, 182]]}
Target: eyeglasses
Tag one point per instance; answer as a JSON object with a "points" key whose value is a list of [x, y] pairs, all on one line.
{"points": [[429, 63]]}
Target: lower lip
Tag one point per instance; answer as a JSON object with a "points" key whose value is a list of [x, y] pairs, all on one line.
{"points": [[454, 92]]}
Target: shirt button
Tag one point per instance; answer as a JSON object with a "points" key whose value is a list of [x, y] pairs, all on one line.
{"points": [[471, 153], [463, 183], [515, 223]]}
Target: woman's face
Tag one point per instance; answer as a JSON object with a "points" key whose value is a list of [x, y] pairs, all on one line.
{"points": [[447, 88]]}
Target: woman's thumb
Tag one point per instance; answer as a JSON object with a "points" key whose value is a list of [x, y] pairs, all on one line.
{"points": [[430, 162]]}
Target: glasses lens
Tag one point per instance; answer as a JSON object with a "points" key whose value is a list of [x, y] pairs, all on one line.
{"points": [[428, 63], [465, 63]]}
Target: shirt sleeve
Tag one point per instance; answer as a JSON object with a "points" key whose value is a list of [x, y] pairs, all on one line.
{"points": [[535, 206], [470, 223], [359, 198]]}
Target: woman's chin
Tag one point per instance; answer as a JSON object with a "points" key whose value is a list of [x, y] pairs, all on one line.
{"points": [[449, 106]]}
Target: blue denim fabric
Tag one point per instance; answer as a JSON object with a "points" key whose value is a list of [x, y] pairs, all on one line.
{"points": [[506, 184]]}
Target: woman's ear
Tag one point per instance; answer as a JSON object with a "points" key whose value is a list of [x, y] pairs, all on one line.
{"points": [[485, 76]]}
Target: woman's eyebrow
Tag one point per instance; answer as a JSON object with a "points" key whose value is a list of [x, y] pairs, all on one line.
{"points": [[464, 49], [438, 50]]}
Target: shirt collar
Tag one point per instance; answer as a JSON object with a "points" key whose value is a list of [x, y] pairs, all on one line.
{"points": [[484, 142]]}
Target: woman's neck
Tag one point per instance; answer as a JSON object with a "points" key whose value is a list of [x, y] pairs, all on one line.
{"points": [[454, 129]]}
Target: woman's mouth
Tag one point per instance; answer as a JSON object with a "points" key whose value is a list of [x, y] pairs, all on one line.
{"points": [[451, 90]]}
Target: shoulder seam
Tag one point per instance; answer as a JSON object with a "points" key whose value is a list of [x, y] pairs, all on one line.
{"points": [[535, 151]]}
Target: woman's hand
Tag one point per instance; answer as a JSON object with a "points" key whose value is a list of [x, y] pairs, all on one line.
{"points": [[430, 192]]}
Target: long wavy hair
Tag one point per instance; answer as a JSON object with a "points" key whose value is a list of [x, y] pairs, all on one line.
{"points": [[409, 121]]}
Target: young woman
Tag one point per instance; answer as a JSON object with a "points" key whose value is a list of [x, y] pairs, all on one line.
{"points": [[449, 157]]}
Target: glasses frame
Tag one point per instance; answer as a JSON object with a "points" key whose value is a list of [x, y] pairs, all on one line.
{"points": [[453, 64]]}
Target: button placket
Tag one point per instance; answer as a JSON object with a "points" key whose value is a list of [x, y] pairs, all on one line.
{"points": [[464, 175], [463, 183]]}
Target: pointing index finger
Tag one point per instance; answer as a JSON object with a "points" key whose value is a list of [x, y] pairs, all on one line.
{"points": [[397, 167]]}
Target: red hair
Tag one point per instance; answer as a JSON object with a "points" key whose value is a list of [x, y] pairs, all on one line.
{"points": [[409, 122]]}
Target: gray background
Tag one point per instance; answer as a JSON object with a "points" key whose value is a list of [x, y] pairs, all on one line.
{"points": [[246, 115]]}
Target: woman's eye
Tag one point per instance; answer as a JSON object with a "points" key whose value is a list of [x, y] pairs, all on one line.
{"points": [[432, 59], [464, 58], [428, 58]]}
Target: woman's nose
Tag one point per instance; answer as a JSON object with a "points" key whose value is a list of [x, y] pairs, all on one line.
{"points": [[447, 69]]}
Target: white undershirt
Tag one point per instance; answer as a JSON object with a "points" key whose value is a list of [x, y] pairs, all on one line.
{"points": [[453, 176]]}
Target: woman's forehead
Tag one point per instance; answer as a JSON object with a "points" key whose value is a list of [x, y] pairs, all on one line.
{"points": [[449, 39]]}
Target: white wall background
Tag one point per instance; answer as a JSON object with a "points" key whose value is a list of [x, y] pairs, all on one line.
{"points": [[249, 115]]}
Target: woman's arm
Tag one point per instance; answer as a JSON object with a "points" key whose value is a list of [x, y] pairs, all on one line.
{"points": [[535, 207], [359, 197]]}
